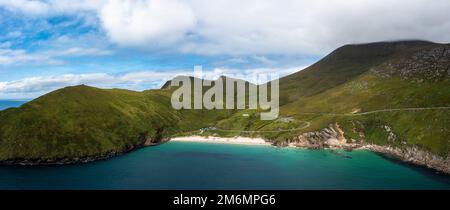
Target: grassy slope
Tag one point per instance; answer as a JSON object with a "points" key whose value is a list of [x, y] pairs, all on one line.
{"points": [[425, 128], [84, 121], [342, 83]]}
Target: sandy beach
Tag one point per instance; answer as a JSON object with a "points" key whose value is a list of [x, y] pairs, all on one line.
{"points": [[221, 140]]}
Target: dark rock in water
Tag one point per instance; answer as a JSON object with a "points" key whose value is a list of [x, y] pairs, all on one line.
{"points": [[340, 154]]}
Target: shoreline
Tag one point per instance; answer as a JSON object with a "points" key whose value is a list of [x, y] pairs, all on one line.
{"points": [[222, 140], [409, 155], [80, 160], [413, 156]]}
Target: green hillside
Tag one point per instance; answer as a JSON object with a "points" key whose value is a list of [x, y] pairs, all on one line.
{"points": [[344, 87], [354, 79], [84, 121]]}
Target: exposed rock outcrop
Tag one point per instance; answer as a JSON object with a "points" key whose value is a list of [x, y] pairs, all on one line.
{"points": [[330, 137], [333, 137], [431, 64]]}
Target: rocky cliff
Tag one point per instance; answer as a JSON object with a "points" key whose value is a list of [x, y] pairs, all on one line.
{"points": [[330, 137], [333, 137], [413, 155]]}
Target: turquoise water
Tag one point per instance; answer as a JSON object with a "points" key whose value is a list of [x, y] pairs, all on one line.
{"points": [[182, 165]]}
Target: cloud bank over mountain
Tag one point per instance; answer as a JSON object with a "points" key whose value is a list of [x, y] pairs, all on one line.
{"points": [[254, 26]]}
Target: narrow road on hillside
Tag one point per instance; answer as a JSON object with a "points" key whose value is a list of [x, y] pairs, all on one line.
{"points": [[374, 111], [400, 109], [307, 123]]}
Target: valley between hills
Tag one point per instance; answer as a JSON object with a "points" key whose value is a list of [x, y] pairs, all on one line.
{"points": [[388, 97]]}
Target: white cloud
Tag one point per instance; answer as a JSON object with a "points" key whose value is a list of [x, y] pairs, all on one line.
{"points": [[255, 26], [147, 23], [31, 7], [274, 26], [17, 57], [78, 51], [263, 59], [35, 86], [21, 57], [13, 34], [49, 7], [5, 45]]}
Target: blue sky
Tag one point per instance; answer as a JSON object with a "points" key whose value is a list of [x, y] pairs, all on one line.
{"points": [[49, 44]]}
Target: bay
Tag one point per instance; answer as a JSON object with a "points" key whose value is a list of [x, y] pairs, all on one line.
{"points": [[186, 165]]}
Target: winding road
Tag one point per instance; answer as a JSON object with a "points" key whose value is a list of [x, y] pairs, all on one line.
{"points": [[308, 123], [374, 111]]}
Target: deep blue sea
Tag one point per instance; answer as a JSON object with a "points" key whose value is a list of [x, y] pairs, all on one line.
{"points": [[182, 165]]}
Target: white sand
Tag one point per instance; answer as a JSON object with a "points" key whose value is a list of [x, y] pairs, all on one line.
{"points": [[220, 140]]}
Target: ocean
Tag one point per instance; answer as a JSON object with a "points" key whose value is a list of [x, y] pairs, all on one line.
{"points": [[4, 104], [185, 165]]}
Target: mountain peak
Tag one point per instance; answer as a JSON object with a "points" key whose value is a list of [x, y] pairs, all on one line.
{"points": [[410, 59]]}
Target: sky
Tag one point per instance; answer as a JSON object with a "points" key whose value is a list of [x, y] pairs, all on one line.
{"points": [[139, 44]]}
